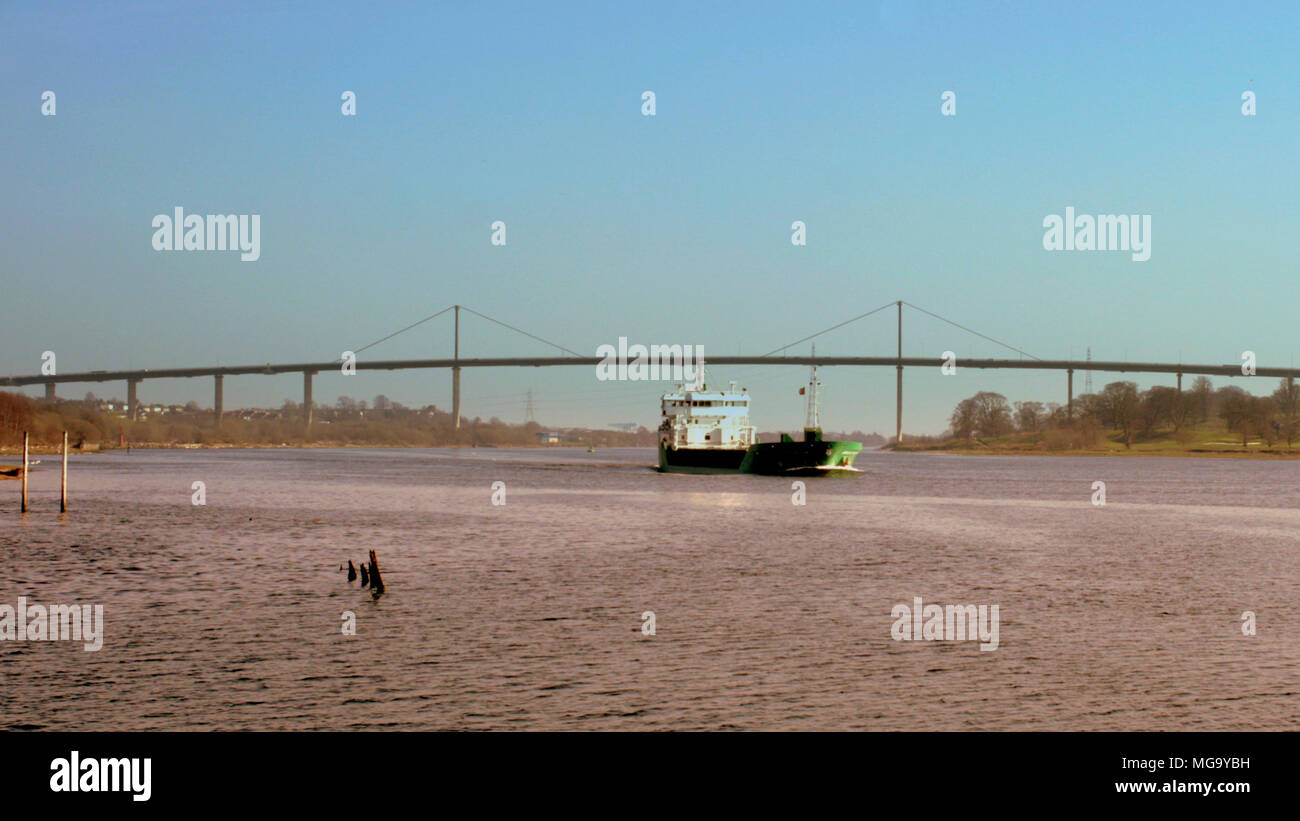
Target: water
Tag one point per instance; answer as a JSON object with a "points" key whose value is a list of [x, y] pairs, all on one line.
{"points": [[768, 615]]}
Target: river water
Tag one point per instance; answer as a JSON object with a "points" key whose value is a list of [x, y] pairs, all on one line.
{"points": [[768, 615]]}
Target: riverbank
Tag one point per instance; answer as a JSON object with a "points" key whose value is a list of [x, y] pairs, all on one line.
{"points": [[48, 450], [1209, 442]]}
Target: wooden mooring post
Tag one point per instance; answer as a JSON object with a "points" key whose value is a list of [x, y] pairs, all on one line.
{"points": [[63, 484], [26, 436]]}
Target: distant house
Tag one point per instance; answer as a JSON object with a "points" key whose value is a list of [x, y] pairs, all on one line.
{"points": [[548, 438]]}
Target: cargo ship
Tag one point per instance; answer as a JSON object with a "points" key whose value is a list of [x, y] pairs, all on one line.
{"points": [[705, 431]]}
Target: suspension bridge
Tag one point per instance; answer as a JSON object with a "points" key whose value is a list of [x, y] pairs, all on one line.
{"points": [[309, 370]]}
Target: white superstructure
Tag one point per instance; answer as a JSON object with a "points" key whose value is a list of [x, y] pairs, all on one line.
{"points": [[706, 419]]}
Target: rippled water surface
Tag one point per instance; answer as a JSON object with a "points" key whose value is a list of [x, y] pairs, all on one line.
{"points": [[768, 615]]}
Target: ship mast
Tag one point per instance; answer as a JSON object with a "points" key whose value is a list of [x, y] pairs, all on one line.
{"points": [[813, 420]]}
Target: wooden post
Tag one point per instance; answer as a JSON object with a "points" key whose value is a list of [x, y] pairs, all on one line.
{"points": [[63, 485], [25, 436]]}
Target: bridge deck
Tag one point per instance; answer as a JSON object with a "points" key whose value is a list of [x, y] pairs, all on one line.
{"points": [[591, 362]]}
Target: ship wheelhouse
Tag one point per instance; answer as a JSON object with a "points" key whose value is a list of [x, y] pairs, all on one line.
{"points": [[704, 419]]}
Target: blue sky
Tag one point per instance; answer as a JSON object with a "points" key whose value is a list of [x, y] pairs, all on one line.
{"points": [[672, 228]]}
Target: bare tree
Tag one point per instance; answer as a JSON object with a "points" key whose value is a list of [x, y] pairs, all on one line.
{"points": [[963, 419], [1164, 404], [1120, 404], [1202, 390], [1182, 412], [1029, 416], [992, 414], [1248, 415], [1287, 400]]}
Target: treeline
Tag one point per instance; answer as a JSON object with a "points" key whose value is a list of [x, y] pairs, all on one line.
{"points": [[1130, 413], [347, 423], [46, 422]]}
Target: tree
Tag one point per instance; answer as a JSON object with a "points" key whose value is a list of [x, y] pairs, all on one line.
{"points": [[1287, 400], [1182, 412], [1029, 416], [963, 419], [1248, 415], [1158, 405], [1119, 405], [1055, 415], [992, 414], [16, 417], [1202, 390]]}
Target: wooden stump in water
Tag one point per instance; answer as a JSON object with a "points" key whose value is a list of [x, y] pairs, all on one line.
{"points": [[352, 571], [376, 580], [365, 576]]}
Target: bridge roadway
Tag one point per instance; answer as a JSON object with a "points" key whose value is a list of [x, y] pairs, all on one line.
{"points": [[309, 369]]}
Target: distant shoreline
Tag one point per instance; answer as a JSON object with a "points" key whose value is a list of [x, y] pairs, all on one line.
{"points": [[47, 450], [1167, 452]]}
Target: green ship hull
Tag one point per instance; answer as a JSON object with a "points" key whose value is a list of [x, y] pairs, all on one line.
{"points": [[814, 457], [811, 458]]}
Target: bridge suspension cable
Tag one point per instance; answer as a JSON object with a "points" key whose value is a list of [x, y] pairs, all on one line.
{"points": [[472, 311], [404, 330], [970, 331], [519, 331], [833, 327], [914, 307]]}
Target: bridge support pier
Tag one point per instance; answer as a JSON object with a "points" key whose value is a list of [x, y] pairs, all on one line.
{"points": [[130, 399], [49, 392], [455, 375], [898, 427], [455, 397], [1069, 393], [216, 398], [1180, 383], [306, 400]]}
